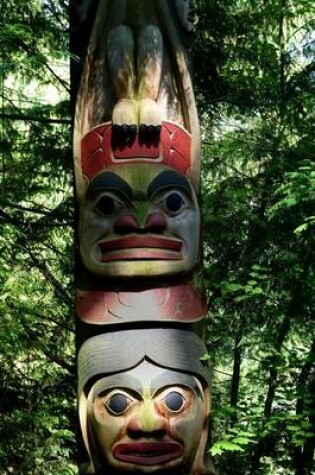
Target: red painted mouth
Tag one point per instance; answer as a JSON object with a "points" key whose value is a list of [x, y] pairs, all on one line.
{"points": [[133, 247], [147, 453]]}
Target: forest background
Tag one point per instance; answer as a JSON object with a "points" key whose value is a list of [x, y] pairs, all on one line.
{"points": [[255, 83]]}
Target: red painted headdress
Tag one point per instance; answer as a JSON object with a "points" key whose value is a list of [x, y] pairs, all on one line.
{"points": [[172, 148]]}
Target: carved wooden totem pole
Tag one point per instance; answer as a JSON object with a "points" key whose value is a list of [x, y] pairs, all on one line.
{"points": [[143, 389]]}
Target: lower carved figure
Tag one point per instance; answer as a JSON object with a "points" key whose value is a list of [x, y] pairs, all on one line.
{"points": [[154, 423], [151, 416]]}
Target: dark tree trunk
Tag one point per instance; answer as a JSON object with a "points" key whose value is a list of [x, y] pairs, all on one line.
{"points": [[305, 388], [237, 354]]}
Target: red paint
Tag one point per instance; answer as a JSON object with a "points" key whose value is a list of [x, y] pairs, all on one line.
{"points": [[141, 255], [147, 453], [137, 247], [138, 149], [126, 223], [172, 150], [181, 303], [137, 241], [156, 222]]}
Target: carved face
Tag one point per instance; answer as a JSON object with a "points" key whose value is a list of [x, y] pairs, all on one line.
{"points": [[147, 419], [139, 221]]}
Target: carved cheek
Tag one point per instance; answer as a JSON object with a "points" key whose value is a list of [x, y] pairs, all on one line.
{"points": [[108, 429], [93, 228], [185, 226], [92, 221], [187, 427], [179, 212]]}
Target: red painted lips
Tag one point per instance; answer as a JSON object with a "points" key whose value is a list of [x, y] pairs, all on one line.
{"points": [[147, 453], [133, 247]]}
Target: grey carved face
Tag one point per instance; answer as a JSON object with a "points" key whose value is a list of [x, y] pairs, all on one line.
{"points": [[139, 221], [148, 419], [145, 407]]}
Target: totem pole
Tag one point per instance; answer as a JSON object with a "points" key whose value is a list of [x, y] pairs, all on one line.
{"points": [[143, 386]]}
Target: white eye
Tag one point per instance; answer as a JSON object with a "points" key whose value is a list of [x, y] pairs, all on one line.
{"points": [[118, 403], [174, 401]]}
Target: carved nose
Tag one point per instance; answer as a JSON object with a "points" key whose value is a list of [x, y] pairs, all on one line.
{"points": [[156, 223], [155, 428], [126, 224]]}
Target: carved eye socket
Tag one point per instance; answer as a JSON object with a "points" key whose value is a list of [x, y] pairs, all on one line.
{"points": [[174, 401], [174, 203], [118, 404], [107, 205]]}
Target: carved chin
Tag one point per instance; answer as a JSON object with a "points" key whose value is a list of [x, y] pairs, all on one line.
{"points": [[148, 453]]}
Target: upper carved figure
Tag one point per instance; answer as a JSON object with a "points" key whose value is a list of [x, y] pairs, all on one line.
{"points": [[184, 10], [136, 75], [139, 221]]}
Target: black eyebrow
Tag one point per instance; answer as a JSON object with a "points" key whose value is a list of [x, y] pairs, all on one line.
{"points": [[109, 180], [168, 178]]}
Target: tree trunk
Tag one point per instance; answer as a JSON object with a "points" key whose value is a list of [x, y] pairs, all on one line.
{"points": [[305, 388], [237, 352]]}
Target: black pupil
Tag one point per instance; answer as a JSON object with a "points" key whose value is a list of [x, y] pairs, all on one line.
{"points": [[106, 205], [118, 403], [174, 202], [174, 401]]}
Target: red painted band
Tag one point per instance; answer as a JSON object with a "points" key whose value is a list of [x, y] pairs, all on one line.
{"points": [[181, 303]]}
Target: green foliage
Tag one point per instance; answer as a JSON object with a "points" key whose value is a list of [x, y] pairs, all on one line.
{"points": [[37, 405], [256, 95], [255, 91]]}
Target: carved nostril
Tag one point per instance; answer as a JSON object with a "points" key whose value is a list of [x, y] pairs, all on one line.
{"points": [[126, 224], [135, 434], [158, 434], [142, 434], [135, 431], [155, 223]]}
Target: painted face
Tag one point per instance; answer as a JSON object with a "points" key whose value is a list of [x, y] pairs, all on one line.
{"points": [[148, 419], [139, 221]]}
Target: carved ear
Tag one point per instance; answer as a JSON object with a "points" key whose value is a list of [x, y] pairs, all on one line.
{"points": [[184, 11], [202, 465], [88, 468]]}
